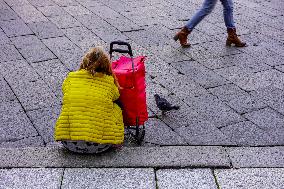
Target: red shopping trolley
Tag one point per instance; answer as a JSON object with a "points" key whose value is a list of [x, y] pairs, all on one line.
{"points": [[130, 72]]}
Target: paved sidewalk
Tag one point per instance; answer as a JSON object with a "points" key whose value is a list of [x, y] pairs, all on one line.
{"points": [[231, 98]]}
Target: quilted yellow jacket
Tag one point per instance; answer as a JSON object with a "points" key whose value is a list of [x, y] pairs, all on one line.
{"points": [[88, 111]]}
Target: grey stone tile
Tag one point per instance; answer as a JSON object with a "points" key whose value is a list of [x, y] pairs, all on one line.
{"points": [[35, 141], [200, 74], [169, 78], [8, 52], [158, 132], [247, 134], [199, 132], [109, 34], [211, 108], [30, 178], [263, 79], [53, 73], [17, 2], [92, 21], [250, 178], [270, 121], [6, 93], [3, 5], [169, 54], [236, 75], [26, 41], [266, 119], [220, 62], [209, 28], [66, 51], [41, 3], [196, 52], [109, 178], [7, 14], [37, 53], [15, 124], [15, 28], [53, 10], [214, 49], [144, 38], [82, 37], [29, 13], [280, 68], [76, 10], [239, 100], [3, 38], [125, 24], [257, 156], [159, 157], [30, 90], [272, 96], [44, 121], [64, 3], [32, 49], [91, 3], [65, 21], [185, 179], [45, 29]]}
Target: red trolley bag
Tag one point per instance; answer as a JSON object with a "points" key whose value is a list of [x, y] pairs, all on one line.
{"points": [[130, 73]]}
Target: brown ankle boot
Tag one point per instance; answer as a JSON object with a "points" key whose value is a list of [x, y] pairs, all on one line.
{"points": [[233, 38], [182, 37]]}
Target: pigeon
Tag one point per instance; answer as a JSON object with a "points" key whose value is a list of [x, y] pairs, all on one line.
{"points": [[163, 104]]}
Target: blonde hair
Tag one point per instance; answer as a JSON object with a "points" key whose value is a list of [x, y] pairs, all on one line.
{"points": [[97, 60]]}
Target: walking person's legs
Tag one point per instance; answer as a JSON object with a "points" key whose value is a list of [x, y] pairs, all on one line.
{"points": [[230, 24], [207, 7]]}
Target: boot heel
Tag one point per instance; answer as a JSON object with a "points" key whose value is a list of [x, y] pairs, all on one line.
{"points": [[228, 43]]}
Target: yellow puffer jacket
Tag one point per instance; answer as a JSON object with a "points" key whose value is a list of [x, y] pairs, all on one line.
{"points": [[88, 111]]}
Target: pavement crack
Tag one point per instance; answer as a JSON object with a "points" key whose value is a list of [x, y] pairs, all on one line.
{"points": [[215, 179], [62, 177]]}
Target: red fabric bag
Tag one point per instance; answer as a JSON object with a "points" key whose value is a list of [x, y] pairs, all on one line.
{"points": [[132, 92]]}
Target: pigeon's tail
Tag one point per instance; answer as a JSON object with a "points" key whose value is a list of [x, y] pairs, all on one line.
{"points": [[175, 107]]}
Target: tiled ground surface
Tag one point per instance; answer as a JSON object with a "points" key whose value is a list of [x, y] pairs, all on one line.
{"points": [[228, 96], [142, 178]]}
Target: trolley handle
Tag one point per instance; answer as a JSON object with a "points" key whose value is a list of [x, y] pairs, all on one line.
{"points": [[121, 43]]}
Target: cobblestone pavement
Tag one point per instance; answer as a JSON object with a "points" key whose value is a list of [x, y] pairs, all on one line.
{"points": [[231, 98], [228, 96]]}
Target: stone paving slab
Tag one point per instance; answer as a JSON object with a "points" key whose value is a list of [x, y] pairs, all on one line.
{"points": [[160, 133], [53, 72], [45, 29], [256, 157], [248, 134], [212, 83], [173, 156], [30, 178], [109, 178], [44, 121], [15, 124], [34, 141], [28, 87], [250, 178], [185, 179], [204, 133], [236, 98]]}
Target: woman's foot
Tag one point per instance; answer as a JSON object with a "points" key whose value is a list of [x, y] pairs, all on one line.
{"points": [[234, 39], [182, 37]]}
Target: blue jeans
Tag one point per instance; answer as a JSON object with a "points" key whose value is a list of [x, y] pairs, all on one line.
{"points": [[207, 7]]}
